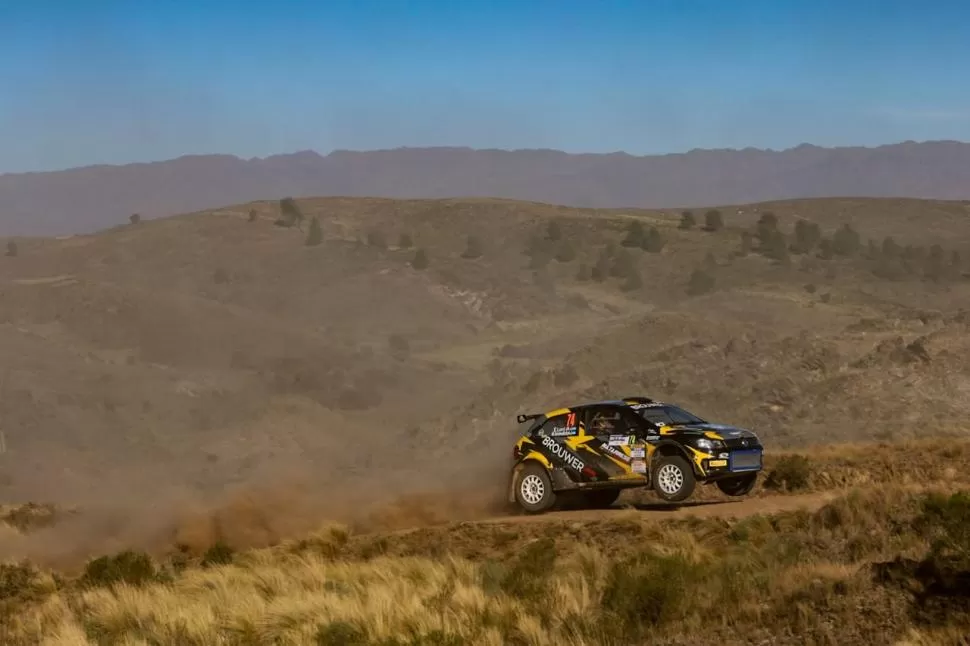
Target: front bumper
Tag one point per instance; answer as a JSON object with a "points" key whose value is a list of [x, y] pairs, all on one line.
{"points": [[733, 462]]}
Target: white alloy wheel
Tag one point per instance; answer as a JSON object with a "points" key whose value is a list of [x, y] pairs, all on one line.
{"points": [[670, 479], [532, 489]]}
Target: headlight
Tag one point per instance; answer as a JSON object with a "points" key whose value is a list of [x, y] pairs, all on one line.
{"points": [[709, 445]]}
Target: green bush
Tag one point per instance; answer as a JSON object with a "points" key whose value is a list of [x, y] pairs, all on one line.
{"points": [[134, 568], [791, 474]]}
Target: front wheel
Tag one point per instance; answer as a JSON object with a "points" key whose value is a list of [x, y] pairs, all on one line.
{"points": [[673, 479], [533, 489], [739, 486]]}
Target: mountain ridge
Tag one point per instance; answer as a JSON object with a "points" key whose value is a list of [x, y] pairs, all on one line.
{"points": [[89, 198]]}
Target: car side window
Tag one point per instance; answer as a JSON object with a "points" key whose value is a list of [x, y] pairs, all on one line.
{"points": [[605, 422]]}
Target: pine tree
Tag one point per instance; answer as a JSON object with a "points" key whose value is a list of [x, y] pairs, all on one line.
{"points": [[314, 235]]}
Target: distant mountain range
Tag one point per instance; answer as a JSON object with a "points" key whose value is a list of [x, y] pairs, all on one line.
{"points": [[81, 200]]}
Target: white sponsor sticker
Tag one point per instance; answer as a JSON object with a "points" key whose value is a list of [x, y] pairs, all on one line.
{"points": [[639, 466], [638, 452]]}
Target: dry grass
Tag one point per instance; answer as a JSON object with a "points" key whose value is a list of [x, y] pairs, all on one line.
{"points": [[789, 578]]}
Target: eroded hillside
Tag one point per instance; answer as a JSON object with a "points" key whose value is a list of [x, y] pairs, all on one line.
{"points": [[174, 358]]}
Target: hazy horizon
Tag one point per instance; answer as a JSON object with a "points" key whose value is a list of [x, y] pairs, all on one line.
{"points": [[128, 82]]}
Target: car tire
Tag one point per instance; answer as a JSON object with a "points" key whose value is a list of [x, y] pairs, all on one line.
{"points": [[599, 498], [673, 479], [738, 486], [533, 489]]}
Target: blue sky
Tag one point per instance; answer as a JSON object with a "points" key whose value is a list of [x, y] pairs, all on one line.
{"points": [[114, 81]]}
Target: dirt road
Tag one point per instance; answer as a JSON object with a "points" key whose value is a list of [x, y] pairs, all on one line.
{"points": [[662, 511]]}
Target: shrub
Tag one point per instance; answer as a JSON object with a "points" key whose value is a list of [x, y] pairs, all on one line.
{"points": [[376, 239], [713, 220], [400, 348], [252, 215], [420, 260], [687, 220], [473, 248], [653, 241], [646, 591], [133, 568], [700, 282], [290, 213], [405, 241], [315, 235], [565, 253], [134, 218], [340, 633], [11, 248], [634, 235], [553, 231], [791, 474], [220, 553]]}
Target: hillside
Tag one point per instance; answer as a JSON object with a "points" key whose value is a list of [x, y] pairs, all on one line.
{"points": [[187, 355], [82, 200], [231, 378]]}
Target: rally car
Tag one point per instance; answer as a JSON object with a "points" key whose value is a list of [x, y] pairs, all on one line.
{"points": [[591, 452]]}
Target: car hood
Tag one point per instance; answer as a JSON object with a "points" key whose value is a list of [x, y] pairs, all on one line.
{"points": [[725, 431]]}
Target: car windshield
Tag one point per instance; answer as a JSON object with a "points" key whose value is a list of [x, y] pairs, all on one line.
{"points": [[667, 414]]}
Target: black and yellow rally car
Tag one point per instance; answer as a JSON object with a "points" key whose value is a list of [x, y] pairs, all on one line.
{"points": [[591, 452]]}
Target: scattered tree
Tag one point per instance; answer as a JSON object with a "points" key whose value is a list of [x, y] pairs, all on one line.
{"points": [[622, 265], [700, 282], [601, 269], [653, 241], [633, 281], [314, 235], [566, 252], [687, 220], [290, 214], [634, 235], [473, 248], [252, 215], [405, 241], [807, 236], [399, 346], [746, 243], [776, 248], [375, 238], [766, 228], [420, 260], [553, 231], [935, 266], [134, 218], [846, 241], [825, 250], [713, 220]]}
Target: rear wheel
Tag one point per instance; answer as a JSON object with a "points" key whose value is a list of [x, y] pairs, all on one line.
{"points": [[533, 489], [673, 479], [738, 486]]}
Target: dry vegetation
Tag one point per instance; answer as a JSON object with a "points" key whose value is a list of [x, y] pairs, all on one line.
{"points": [[225, 381]]}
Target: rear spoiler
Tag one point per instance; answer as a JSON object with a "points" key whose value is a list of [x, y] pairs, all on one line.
{"points": [[522, 418]]}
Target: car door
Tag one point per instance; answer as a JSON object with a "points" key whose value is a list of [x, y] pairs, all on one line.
{"points": [[620, 437]]}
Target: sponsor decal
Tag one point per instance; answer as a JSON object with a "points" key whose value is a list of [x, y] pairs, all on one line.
{"points": [[717, 463], [621, 440], [638, 452], [560, 451], [723, 456], [616, 453], [650, 405], [639, 466]]}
